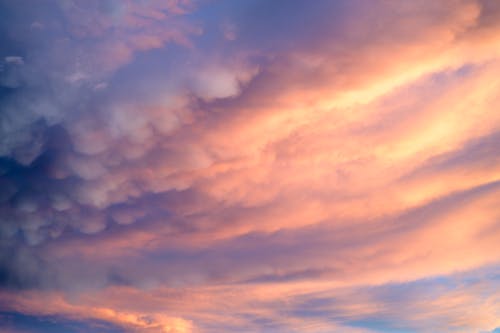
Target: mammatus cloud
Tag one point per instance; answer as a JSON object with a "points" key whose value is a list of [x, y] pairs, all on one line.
{"points": [[191, 166]]}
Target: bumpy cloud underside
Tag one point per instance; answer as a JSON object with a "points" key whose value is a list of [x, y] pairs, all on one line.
{"points": [[181, 166]]}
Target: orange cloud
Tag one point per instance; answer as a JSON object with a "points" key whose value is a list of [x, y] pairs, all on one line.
{"points": [[280, 189]]}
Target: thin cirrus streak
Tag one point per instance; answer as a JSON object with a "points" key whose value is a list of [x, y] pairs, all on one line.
{"points": [[182, 166]]}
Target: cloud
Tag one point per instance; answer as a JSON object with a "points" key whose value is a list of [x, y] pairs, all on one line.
{"points": [[175, 166], [444, 303], [84, 44]]}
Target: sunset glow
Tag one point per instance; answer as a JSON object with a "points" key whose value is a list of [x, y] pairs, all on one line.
{"points": [[272, 166]]}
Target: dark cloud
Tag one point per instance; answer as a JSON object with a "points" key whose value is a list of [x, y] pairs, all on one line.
{"points": [[19, 322]]}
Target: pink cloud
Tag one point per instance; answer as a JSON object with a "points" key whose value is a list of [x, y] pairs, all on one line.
{"points": [[233, 186]]}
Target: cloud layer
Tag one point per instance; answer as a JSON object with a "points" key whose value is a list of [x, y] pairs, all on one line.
{"points": [[249, 166]]}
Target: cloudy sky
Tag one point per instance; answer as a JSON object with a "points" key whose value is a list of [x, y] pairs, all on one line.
{"points": [[255, 166]]}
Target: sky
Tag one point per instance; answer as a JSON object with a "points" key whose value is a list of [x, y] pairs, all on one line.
{"points": [[255, 166]]}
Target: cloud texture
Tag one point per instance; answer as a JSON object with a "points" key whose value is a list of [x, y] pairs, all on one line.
{"points": [[180, 166]]}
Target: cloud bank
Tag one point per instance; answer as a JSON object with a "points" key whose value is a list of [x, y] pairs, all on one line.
{"points": [[249, 166]]}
